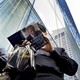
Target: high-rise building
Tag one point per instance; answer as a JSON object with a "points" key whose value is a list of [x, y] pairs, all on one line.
{"points": [[61, 38]]}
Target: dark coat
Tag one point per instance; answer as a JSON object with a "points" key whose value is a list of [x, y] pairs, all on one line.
{"points": [[50, 67], [3, 58], [54, 66]]}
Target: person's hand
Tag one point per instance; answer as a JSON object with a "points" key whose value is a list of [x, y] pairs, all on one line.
{"points": [[25, 42], [47, 47]]}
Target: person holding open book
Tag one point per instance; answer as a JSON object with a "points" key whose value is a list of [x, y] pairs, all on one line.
{"points": [[51, 63]]}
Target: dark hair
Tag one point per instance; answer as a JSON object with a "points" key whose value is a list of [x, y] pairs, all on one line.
{"points": [[42, 28], [31, 26], [24, 29]]}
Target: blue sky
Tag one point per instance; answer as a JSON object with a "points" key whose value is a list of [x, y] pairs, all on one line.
{"points": [[1, 1]]}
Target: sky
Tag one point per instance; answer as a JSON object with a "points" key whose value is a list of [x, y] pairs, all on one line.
{"points": [[47, 13], [74, 7], [1, 1]]}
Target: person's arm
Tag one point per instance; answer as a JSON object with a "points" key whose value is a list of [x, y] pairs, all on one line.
{"points": [[66, 64]]}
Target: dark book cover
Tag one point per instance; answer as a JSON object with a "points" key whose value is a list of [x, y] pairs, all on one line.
{"points": [[16, 38]]}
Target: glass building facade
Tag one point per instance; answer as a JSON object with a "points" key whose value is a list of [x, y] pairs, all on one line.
{"points": [[72, 32], [69, 21]]}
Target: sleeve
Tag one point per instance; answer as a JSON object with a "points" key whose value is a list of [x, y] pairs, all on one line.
{"points": [[66, 64]]}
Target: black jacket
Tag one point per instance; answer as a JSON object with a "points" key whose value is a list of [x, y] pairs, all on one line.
{"points": [[57, 63], [50, 67]]}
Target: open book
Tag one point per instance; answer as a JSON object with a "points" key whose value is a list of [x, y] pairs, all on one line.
{"points": [[37, 40]]}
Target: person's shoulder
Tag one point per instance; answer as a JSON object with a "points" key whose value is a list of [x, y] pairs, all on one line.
{"points": [[2, 50], [3, 54], [61, 51]]}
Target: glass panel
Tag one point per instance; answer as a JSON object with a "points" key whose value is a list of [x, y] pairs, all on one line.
{"points": [[12, 15], [62, 34]]}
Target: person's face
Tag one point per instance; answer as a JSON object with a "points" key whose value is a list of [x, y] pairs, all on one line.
{"points": [[30, 31]]}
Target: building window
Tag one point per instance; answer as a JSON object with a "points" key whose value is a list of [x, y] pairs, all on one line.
{"points": [[62, 34], [59, 35], [56, 37]]}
